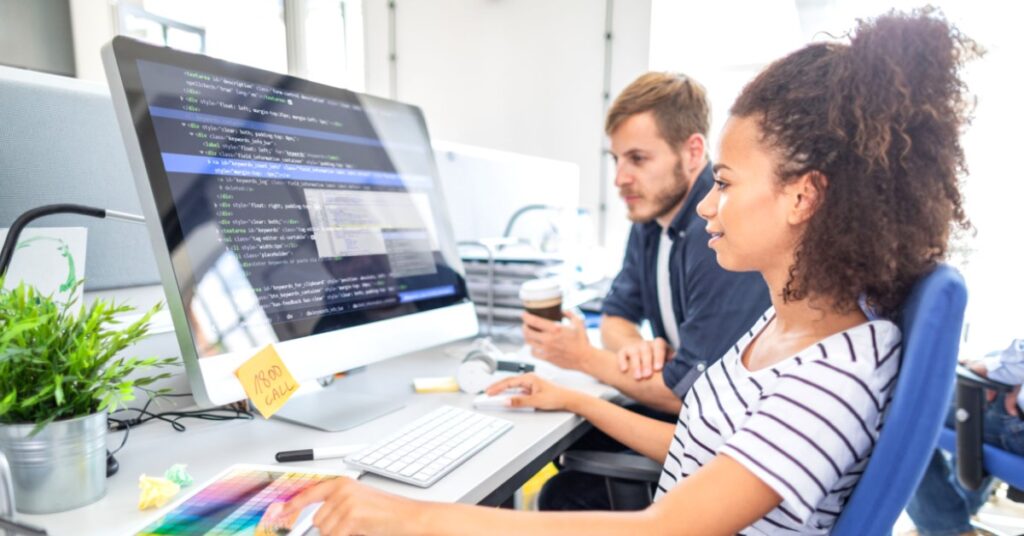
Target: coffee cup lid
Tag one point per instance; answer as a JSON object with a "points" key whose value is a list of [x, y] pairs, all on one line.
{"points": [[540, 289]]}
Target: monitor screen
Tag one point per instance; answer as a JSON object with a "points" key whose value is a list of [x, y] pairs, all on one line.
{"points": [[286, 209]]}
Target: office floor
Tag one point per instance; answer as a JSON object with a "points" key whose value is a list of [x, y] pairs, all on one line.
{"points": [[1000, 516]]}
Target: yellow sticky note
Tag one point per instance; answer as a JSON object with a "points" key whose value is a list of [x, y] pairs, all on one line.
{"points": [[435, 385], [267, 381]]}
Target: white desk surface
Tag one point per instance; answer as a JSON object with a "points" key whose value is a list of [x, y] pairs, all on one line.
{"points": [[209, 447]]}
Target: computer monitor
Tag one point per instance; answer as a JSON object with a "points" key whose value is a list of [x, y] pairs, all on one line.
{"points": [[290, 213]]}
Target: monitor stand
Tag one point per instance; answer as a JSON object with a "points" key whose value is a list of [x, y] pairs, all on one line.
{"points": [[335, 408]]}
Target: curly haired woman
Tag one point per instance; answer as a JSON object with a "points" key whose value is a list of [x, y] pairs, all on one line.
{"points": [[838, 181]]}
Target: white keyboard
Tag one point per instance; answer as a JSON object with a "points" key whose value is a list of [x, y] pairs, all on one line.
{"points": [[430, 447]]}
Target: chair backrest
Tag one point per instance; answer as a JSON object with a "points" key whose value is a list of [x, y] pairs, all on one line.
{"points": [[932, 319]]}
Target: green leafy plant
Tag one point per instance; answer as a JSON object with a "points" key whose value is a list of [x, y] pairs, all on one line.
{"points": [[58, 361]]}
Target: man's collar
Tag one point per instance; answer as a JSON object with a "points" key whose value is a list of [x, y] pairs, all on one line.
{"points": [[700, 188]]}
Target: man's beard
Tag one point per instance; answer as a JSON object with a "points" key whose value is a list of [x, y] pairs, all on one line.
{"points": [[666, 201]]}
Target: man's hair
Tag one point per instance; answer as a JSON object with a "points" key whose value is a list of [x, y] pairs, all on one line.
{"points": [[880, 120], [679, 105]]}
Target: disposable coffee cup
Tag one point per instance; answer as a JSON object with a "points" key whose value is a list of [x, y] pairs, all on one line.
{"points": [[542, 297]]}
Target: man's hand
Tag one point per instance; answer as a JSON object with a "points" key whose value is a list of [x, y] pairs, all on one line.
{"points": [[644, 357], [563, 346], [1009, 401]]}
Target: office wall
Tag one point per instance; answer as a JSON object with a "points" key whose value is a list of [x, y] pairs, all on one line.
{"points": [[526, 76], [36, 34]]}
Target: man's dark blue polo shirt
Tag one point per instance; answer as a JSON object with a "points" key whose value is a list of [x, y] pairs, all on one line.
{"points": [[714, 307]]}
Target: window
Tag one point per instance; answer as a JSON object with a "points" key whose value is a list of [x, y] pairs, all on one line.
{"points": [[141, 24], [332, 37], [317, 39], [251, 32]]}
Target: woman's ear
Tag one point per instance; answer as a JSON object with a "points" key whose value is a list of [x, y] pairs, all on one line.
{"points": [[807, 193]]}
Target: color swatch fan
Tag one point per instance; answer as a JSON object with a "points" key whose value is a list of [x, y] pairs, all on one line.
{"points": [[234, 502]]}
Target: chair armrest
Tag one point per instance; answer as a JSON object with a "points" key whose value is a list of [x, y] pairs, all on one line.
{"points": [[612, 464], [970, 408], [966, 376]]}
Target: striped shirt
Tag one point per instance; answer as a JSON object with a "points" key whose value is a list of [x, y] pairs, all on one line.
{"points": [[805, 426]]}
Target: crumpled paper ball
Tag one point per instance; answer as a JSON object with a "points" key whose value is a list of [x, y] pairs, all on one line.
{"points": [[155, 491], [178, 475]]}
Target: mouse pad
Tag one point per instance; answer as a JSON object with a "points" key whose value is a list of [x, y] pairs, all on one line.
{"points": [[234, 501]]}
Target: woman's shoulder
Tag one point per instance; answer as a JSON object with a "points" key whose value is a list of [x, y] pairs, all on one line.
{"points": [[863, 350], [873, 341]]}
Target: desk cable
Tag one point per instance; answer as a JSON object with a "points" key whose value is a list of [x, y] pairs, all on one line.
{"points": [[173, 417]]}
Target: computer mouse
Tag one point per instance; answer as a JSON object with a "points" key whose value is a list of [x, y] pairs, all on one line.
{"points": [[299, 524], [304, 522], [500, 401]]}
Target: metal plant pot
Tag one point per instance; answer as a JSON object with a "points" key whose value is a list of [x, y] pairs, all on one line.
{"points": [[6, 489], [60, 468]]}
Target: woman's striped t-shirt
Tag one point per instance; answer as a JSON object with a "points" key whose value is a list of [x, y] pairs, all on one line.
{"points": [[804, 426]]}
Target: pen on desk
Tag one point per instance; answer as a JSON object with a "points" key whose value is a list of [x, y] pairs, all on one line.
{"points": [[321, 453]]}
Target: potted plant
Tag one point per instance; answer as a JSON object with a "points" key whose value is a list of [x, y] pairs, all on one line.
{"points": [[60, 374]]}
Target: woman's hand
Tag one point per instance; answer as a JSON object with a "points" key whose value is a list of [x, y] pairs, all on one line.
{"points": [[352, 508], [536, 393]]}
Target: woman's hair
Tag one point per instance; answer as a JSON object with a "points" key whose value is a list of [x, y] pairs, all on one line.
{"points": [[876, 123]]}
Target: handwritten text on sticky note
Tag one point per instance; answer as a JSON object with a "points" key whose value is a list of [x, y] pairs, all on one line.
{"points": [[267, 381]]}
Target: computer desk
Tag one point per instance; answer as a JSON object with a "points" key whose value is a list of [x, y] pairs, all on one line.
{"points": [[489, 478]]}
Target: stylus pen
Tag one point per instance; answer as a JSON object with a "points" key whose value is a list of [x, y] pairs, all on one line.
{"points": [[321, 453]]}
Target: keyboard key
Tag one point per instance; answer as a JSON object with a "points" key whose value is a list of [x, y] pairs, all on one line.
{"points": [[430, 446], [412, 469]]}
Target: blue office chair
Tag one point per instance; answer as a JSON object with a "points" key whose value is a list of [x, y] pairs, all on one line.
{"points": [[931, 323]]}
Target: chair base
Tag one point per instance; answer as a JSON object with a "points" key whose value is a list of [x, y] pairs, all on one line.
{"points": [[1015, 494], [628, 494]]}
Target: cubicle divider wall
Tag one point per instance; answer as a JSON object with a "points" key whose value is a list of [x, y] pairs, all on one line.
{"points": [[59, 143]]}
